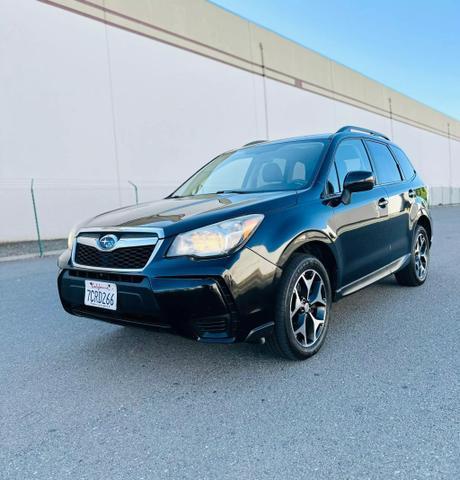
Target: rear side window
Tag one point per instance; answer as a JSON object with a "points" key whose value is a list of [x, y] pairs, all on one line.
{"points": [[404, 162], [386, 168], [351, 156]]}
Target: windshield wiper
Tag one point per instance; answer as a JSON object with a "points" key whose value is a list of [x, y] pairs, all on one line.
{"points": [[229, 191], [219, 192]]}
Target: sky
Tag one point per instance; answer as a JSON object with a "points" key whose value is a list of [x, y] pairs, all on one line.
{"points": [[410, 46]]}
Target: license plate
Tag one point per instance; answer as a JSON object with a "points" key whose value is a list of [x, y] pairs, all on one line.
{"points": [[101, 294]]}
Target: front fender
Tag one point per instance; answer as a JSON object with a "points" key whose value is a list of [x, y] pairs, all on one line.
{"points": [[302, 240], [283, 232]]}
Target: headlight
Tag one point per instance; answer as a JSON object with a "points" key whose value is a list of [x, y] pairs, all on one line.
{"points": [[217, 239], [71, 237]]}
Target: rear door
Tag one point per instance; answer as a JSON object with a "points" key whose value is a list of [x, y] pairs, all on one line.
{"points": [[360, 225], [400, 198]]}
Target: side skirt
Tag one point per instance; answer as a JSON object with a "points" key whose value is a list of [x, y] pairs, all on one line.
{"points": [[373, 277]]}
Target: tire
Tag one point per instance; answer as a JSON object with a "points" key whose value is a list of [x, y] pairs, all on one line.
{"points": [[416, 271], [302, 309]]}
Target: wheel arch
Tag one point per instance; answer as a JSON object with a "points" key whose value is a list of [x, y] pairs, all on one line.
{"points": [[425, 222], [317, 244]]}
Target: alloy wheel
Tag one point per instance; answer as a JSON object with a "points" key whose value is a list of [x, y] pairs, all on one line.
{"points": [[308, 308], [421, 256]]}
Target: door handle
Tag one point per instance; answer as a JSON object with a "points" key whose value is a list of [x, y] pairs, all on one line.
{"points": [[383, 202], [412, 193]]}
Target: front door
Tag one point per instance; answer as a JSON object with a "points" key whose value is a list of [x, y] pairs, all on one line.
{"points": [[359, 227]]}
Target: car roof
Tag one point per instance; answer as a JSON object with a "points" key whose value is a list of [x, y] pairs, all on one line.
{"points": [[347, 131], [322, 136]]}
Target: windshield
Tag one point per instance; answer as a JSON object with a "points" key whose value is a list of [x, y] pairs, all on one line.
{"points": [[261, 168]]}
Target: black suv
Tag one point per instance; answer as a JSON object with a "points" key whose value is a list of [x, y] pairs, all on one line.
{"points": [[257, 244]]}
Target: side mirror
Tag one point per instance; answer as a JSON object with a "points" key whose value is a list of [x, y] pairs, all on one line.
{"points": [[357, 181]]}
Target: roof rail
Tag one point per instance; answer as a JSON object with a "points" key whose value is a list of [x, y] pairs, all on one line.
{"points": [[254, 142], [349, 128]]}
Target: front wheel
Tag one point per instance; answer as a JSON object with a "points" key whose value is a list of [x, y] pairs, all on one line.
{"points": [[415, 273], [302, 309]]}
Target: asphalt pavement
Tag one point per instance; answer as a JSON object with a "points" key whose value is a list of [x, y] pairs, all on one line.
{"points": [[81, 399]]}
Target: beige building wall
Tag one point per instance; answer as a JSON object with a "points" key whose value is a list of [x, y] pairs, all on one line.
{"points": [[97, 94], [207, 29]]}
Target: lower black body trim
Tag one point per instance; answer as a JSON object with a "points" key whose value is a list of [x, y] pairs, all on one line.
{"points": [[373, 277]]}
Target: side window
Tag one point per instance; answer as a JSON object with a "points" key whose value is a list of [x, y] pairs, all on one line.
{"points": [[351, 156], [386, 168], [406, 167]]}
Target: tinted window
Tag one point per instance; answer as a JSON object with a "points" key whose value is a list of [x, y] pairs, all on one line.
{"points": [[404, 163], [386, 168], [351, 156], [277, 166]]}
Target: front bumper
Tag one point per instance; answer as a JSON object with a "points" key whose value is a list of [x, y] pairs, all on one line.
{"points": [[214, 300]]}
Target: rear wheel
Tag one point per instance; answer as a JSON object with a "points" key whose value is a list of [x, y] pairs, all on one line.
{"points": [[302, 309], [415, 273]]}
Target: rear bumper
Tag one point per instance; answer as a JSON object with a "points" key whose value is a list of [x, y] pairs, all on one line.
{"points": [[220, 301]]}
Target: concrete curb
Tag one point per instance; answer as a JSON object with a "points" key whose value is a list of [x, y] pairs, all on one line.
{"points": [[27, 256]]}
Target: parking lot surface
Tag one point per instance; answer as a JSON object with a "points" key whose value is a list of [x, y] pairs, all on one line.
{"points": [[82, 399]]}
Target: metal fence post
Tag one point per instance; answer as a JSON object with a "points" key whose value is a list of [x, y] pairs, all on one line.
{"points": [[40, 246], [135, 191], [450, 166]]}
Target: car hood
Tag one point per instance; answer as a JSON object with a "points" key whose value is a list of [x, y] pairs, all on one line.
{"points": [[176, 215]]}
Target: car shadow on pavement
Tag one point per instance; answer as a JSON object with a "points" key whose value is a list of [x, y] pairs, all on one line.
{"points": [[132, 349], [136, 346]]}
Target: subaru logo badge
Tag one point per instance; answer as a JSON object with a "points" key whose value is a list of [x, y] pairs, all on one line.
{"points": [[107, 242]]}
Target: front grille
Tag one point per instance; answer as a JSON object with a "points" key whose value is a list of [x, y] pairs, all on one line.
{"points": [[122, 258]]}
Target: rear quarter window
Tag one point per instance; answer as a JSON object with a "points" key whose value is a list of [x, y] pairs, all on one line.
{"points": [[404, 163]]}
